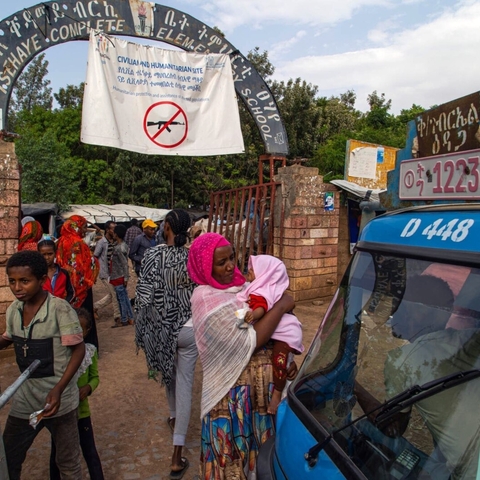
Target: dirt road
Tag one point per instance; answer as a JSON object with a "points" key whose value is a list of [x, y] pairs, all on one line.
{"points": [[129, 411]]}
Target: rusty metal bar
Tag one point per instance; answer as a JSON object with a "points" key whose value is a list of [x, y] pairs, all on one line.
{"points": [[221, 212], [235, 217], [271, 159], [229, 232], [271, 220], [254, 222], [238, 232], [245, 229], [210, 213], [215, 217], [230, 216], [263, 204], [226, 219]]}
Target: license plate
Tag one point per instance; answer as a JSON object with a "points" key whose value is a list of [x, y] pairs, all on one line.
{"points": [[451, 176]]}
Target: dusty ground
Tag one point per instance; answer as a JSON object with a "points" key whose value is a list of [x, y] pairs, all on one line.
{"points": [[129, 411]]}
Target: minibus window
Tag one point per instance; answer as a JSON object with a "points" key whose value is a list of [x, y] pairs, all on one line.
{"points": [[396, 323], [358, 281]]}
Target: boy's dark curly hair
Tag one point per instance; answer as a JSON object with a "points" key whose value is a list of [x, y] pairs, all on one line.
{"points": [[84, 313], [29, 258]]}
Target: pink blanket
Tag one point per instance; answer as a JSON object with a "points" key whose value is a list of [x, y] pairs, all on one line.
{"points": [[271, 281]]}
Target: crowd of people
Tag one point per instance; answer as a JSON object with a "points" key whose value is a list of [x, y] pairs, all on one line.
{"points": [[189, 298]]}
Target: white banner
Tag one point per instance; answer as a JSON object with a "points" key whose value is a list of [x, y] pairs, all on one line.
{"points": [[160, 102]]}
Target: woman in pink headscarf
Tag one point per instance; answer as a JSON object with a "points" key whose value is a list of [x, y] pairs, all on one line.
{"points": [[237, 363]]}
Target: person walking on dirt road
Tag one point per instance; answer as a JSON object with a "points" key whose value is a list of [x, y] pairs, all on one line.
{"points": [[103, 251], [164, 330]]}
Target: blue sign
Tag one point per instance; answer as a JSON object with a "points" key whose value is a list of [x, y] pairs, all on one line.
{"points": [[450, 230]]}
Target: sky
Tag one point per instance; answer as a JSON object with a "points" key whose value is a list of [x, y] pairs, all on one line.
{"points": [[422, 52]]}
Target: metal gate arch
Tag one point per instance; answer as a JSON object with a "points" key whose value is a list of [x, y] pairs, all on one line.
{"points": [[28, 32]]}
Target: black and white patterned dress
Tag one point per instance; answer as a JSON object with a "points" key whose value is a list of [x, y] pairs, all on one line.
{"points": [[162, 306]]}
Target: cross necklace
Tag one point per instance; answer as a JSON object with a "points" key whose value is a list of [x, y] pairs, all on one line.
{"points": [[29, 328]]}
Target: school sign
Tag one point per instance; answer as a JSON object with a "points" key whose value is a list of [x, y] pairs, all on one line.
{"points": [[28, 32]]}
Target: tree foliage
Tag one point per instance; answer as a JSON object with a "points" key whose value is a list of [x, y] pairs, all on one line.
{"points": [[57, 167], [47, 175], [301, 115], [71, 96], [32, 87]]}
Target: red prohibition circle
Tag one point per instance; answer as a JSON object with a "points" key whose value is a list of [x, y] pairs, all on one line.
{"points": [[167, 123]]}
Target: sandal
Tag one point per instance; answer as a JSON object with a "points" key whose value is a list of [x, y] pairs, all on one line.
{"points": [[171, 423], [178, 474]]}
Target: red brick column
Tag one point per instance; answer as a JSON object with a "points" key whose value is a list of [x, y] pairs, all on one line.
{"points": [[306, 238], [9, 219]]}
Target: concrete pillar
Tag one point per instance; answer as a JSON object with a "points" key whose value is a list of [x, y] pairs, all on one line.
{"points": [[9, 219], [306, 236]]}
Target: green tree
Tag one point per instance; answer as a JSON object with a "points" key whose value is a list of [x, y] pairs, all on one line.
{"points": [[338, 115], [330, 156], [93, 178], [301, 115], [378, 116], [140, 179], [410, 114], [71, 96], [262, 64], [46, 175], [380, 127], [32, 87]]}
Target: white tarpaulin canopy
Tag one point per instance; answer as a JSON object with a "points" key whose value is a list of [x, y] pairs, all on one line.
{"points": [[357, 190], [118, 213], [160, 102]]}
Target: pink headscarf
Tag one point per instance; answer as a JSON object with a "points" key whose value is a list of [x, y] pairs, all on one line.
{"points": [[200, 261], [271, 279]]}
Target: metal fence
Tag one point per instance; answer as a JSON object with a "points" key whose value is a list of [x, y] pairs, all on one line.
{"points": [[244, 216]]}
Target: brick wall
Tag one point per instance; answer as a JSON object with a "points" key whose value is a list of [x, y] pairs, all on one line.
{"points": [[310, 234], [9, 219]]}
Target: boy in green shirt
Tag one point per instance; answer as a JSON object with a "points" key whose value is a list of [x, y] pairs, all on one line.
{"points": [[42, 327], [87, 382]]}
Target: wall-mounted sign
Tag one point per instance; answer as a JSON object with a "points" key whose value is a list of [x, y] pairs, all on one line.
{"points": [[451, 176], [449, 128], [367, 164], [328, 201]]}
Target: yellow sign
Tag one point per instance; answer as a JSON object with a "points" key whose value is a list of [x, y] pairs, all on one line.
{"points": [[367, 164]]}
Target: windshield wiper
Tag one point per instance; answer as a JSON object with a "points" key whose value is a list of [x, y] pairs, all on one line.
{"points": [[419, 392], [398, 403]]}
